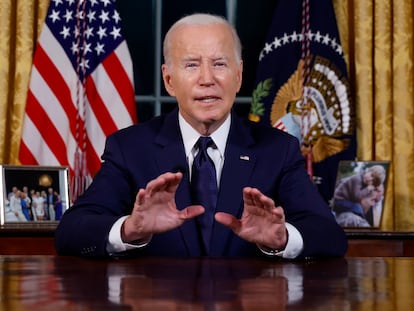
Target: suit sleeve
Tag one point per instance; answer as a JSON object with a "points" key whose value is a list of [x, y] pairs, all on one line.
{"points": [[110, 196], [306, 210]]}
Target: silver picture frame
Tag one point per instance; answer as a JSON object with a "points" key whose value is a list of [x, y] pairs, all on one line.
{"points": [[33, 197]]}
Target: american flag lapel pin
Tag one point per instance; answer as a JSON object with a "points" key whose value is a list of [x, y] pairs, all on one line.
{"points": [[245, 158]]}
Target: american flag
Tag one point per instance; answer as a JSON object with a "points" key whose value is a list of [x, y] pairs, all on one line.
{"points": [[81, 89]]}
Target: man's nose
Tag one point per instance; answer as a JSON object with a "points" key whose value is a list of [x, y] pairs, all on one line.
{"points": [[206, 75]]}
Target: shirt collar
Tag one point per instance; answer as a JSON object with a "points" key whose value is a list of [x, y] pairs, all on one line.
{"points": [[190, 135]]}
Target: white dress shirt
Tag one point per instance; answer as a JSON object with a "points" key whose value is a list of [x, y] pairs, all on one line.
{"points": [[190, 136]]}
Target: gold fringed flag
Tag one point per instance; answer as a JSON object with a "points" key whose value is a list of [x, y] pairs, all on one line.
{"points": [[302, 87]]}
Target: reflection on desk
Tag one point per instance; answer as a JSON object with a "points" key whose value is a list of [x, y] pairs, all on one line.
{"points": [[66, 283]]}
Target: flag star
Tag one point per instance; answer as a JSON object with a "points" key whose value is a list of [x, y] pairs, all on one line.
{"points": [[68, 15], [309, 35], [339, 49], [65, 32], [294, 36], [70, 1], [101, 32], [285, 38], [318, 37], [89, 32], [91, 16], [86, 48], [57, 2], [116, 32], [326, 39], [93, 2], [116, 17], [104, 16], [333, 43], [54, 16], [76, 32], [84, 64], [268, 48], [99, 48], [74, 48], [276, 42], [106, 2], [80, 15]]}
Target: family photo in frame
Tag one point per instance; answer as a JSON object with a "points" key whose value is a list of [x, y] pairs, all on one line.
{"points": [[358, 199], [33, 195]]}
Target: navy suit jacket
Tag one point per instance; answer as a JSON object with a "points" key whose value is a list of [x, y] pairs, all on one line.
{"points": [[255, 156]]}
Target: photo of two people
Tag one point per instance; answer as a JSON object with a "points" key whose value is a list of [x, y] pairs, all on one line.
{"points": [[359, 193]]}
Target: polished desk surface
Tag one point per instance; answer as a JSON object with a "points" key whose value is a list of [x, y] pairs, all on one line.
{"points": [[65, 283]]}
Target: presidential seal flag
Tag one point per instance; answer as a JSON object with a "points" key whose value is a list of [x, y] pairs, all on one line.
{"points": [[302, 87], [81, 89]]}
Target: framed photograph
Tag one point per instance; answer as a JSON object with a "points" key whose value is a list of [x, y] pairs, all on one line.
{"points": [[358, 200], [33, 196]]}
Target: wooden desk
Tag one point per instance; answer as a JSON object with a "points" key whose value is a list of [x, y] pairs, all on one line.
{"points": [[380, 243], [65, 283], [360, 243]]}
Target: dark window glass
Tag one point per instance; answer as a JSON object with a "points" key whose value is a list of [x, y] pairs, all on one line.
{"points": [[138, 28], [252, 22]]}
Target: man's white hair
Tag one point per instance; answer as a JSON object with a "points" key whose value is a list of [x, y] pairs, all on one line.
{"points": [[201, 19]]}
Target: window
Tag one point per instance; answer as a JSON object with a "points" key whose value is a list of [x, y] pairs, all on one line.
{"points": [[145, 23]]}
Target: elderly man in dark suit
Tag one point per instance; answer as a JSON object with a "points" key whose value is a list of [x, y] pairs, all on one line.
{"points": [[142, 201]]}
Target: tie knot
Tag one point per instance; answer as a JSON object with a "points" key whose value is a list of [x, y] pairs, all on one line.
{"points": [[204, 142]]}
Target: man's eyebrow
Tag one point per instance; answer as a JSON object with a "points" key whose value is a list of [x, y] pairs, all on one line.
{"points": [[191, 59], [221, 58]]}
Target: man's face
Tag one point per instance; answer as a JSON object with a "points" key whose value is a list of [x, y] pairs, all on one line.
{"points": [[203, 74], [368, 178]]}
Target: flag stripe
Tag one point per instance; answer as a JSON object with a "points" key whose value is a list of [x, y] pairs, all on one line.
{"points": [[99, 107], [96, 135], [122, 82], [50, 134], [40, 151], [94, 160], [27, 154]]}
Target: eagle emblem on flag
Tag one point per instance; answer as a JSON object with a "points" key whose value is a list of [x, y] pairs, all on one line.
{"points": [[329, 117]]}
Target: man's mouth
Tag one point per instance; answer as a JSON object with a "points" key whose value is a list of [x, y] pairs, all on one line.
{"points": [[207, 99]]}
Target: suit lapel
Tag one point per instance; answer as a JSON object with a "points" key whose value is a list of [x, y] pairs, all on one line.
{"points": [[170, 157], [238, 168]]}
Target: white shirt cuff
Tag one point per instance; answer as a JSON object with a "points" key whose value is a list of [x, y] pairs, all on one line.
{"points": [[115, 243], [293, 247]]}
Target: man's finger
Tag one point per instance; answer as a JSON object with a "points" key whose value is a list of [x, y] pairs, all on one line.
{"points": [[228, 220], [191, 211]]}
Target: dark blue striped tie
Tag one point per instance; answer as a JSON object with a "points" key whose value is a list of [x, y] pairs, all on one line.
{"points": [[204, 188]]}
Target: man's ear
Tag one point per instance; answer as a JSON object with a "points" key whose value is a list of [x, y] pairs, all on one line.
{"points": [[166, 76], [240, 75]]}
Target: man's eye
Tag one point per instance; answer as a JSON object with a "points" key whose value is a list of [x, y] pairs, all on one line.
{"points": [[190, 65], [220, 64]]}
